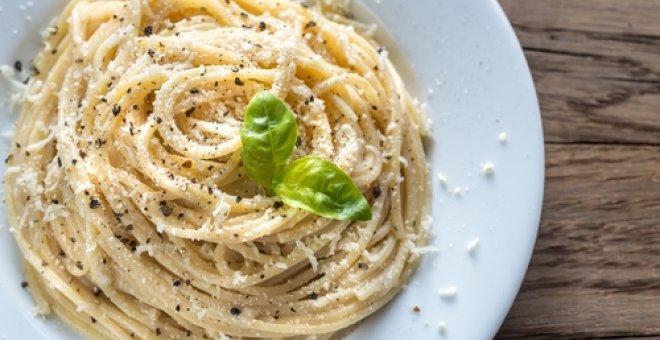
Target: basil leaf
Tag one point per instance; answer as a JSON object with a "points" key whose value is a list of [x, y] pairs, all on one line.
{"points": [[319, 186], [268, 135]]}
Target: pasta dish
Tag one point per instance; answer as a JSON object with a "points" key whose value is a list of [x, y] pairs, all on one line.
{"points": [[215, 168]]}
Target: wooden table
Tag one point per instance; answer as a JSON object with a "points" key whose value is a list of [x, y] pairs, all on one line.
{"points": [[595, 272]]}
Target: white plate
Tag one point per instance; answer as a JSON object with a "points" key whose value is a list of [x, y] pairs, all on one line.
{"points": [[468, 67]]}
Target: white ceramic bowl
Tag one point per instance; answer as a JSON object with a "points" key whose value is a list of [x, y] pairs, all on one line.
{"points": [[462, 59]]}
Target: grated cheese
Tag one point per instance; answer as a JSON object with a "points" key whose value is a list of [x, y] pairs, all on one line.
{"points": [[448, 293], [488, 169], [473, 245]]}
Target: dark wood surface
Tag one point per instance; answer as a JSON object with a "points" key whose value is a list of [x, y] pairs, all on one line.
{"points": [[595, 272]]}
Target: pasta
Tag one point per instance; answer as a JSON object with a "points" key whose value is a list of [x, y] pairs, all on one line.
{"points": [[125, 188]]}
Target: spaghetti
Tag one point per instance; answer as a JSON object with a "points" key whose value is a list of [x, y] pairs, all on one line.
{"points": [[127, 197]]}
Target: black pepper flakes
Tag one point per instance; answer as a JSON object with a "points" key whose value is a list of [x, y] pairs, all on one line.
{"points": [[238, 81], [158, 331], [176, 283], [98, 143], [94, 203], [24, 284], [18, 66], [298, 141], [235, 311], [159, 120], [79, 265], [116, 110], [376, 192], [310, 24], [92, 319], [416, 309], [238, 199], [165, 209], [362, 265], [278, 204], [190, 111], [313, 296], [262, 25], [59, 162], [178, 308], [148, 30], [194, 90]]}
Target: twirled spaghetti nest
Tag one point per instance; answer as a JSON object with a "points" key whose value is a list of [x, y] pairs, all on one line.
{"points": [[126, 193]]}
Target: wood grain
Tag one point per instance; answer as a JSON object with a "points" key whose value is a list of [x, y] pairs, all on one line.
{"points": [[596, 266], [596, 65], [595, 273]]}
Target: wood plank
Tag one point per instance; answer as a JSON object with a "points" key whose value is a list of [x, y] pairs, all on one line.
{"points": [[596, 66], [596, 267]]}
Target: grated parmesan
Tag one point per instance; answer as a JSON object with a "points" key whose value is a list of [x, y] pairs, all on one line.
{"points": [[310, 254], [442, 327], [488, 169], [502, 137], [448, 293], [473, 245]]}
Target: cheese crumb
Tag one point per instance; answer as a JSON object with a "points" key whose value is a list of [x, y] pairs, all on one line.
{"points": [[442, 179], [473, 245], [448, 293], [442, 327], [488, 169], [502, 137]]}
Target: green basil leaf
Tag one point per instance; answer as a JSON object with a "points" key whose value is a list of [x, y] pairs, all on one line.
{"points": [[319, 186], [268, 135]]}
